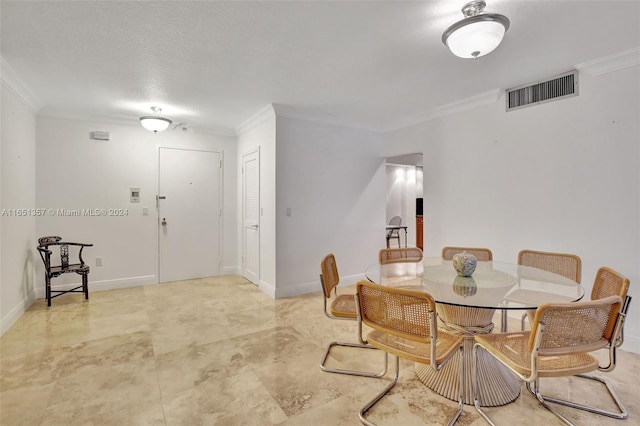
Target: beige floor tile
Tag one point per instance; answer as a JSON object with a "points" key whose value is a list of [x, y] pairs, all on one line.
{"points": [[217, 351]]}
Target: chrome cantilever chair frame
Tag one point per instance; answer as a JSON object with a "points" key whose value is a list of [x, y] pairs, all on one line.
{"points": [[398, 330], [530, 367], [344, 307], [607, 282]]}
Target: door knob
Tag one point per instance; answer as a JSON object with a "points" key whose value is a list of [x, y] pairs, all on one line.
{"points": [[164, 221], [254, 226]]}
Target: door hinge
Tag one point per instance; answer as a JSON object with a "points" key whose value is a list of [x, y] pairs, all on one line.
{"points": [[220, 164]]}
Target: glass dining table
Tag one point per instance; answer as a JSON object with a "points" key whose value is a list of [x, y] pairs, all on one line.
{"points": [[466, 306]]}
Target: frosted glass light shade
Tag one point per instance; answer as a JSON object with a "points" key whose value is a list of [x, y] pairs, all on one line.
{"points": [[476, 36], [154, 123]]}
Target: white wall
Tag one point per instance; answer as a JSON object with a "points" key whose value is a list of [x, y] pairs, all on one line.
{"points": [[333, 180], [562, 176], [76, 172], [260, 132], [18, 253]]}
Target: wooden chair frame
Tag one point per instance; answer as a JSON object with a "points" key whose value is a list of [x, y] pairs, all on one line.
{"points": [[559, 342], [482, 254], [399, 255], [404, 324], [51, 271], [565, 264], [340, 307]]}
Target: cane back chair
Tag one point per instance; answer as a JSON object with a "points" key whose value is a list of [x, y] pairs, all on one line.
{"points": [[565, 264], [394, 233], [559, 343], [482, 254], [340, 307], [45, 248], [404, 324], [397, 255]]}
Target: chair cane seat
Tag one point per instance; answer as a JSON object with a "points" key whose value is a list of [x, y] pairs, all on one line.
{"points": [[344, 306], [511, 348], [415, 351]]}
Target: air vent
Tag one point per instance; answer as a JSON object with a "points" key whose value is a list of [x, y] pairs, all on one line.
{"points": [[563, 86]]}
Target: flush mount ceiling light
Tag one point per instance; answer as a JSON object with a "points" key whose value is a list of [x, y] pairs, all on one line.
{"points": [[475, 35], [155, 122]]}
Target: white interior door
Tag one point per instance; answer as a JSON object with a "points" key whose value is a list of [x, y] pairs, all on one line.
{"points": [[251, 216], [189, 214]]}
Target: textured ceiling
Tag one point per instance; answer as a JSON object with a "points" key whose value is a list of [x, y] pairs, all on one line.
{"points": [[211, 64]]}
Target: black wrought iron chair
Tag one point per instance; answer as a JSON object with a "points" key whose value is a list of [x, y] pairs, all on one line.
{"points": [[45, 247]]}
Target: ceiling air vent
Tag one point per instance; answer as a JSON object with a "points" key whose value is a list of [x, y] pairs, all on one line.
{"points": [[563, 86]]}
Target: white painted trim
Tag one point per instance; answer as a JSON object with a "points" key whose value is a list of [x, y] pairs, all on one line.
{"points": [[18, 87], [331, 120], [314, 286], [9, 319], [231, 270], [472, 102], [631, 344], [104, 285], [255, 120], [615, 62], [130, 120], [267, 289]]}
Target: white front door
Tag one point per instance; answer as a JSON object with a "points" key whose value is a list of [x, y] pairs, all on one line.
{"points": [[251, 216], [189, 214]]}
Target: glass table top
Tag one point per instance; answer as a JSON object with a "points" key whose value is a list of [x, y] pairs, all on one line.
{"points": [[492, 285]]}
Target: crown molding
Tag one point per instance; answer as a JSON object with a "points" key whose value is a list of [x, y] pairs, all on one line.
{"points": [[615, 62], [19, 88], [466, 104], [265, 113], [331, 120]]}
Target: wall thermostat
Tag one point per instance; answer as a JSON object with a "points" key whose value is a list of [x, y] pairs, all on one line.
{"points": [[135, 195]]}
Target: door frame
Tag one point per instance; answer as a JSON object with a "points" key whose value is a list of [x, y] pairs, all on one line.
{"points": [[251, 151], [220, 201]]}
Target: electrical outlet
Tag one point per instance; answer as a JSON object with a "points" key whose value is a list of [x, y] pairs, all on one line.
{"points": [[98, 261]]}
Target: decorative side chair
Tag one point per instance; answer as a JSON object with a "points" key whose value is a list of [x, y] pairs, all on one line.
{"points": [[559, 344], [45, 248], [397, 255], [567, 265], [340, 307], [394, 234], [404, 324], [482, 254]]}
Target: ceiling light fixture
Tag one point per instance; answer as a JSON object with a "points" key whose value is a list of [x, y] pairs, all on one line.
{"points": [[155, 123], [476, 34]]}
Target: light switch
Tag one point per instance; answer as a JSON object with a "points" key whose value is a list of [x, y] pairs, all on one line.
{"points": [[145, 211], [134, 194]]}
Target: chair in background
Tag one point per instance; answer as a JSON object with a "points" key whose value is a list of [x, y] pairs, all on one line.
{"points": [[482, 254], [396, 255], [340, 307], [404, 324], [567, 265], [394, 233], [45, 248], [559, 343]]}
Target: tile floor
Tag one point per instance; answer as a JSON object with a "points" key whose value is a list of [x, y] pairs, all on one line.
{"points": [[217, 351]]}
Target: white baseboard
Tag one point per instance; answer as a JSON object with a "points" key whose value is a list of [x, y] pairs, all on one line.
{"points": [[631, 344], [314, 286], [231, 270], [267, 289], [10, 318], [104, 285]]}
